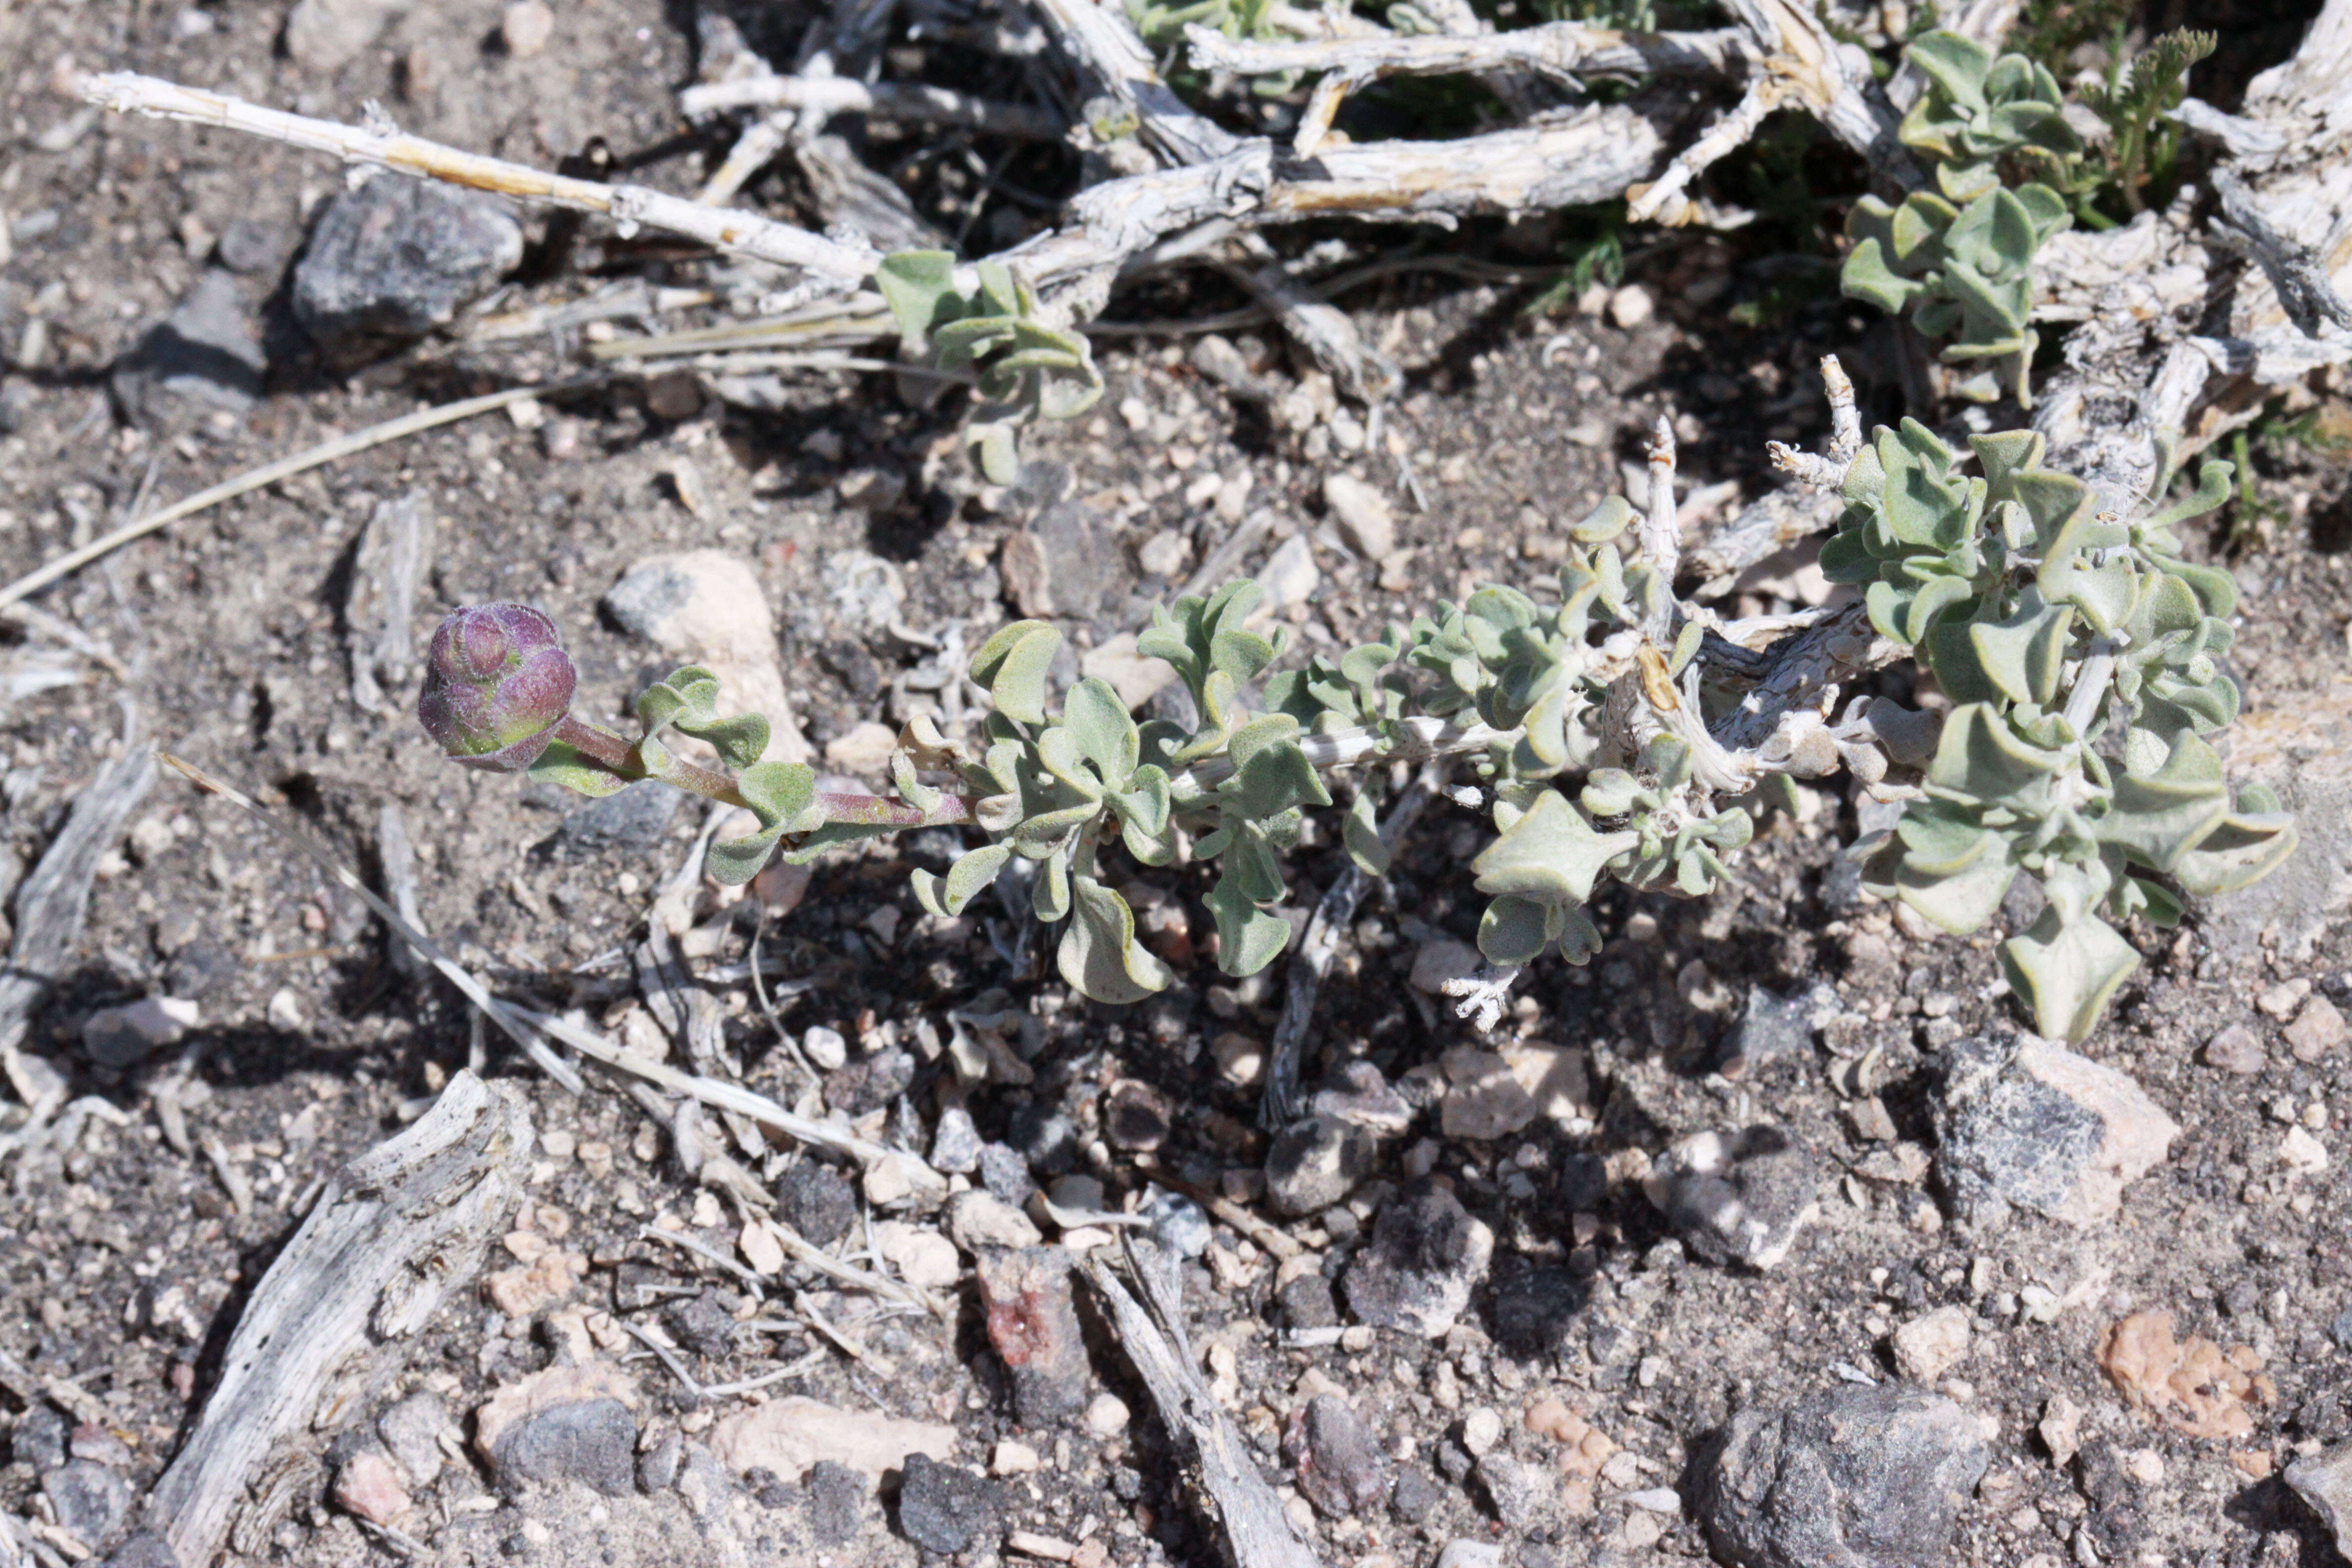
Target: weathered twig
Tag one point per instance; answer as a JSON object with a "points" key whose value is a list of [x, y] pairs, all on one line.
{"points": [[400, 1228], [1256, 1532], [1103, 45], [284, 467], [1566, 51], [1358, 369], [745, 232], [393, 555], [2298, 272], [534, 1044], [55, 900], [824, 97], [1278, 1105]]}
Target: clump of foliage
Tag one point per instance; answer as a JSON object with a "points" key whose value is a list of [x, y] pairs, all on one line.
{"points": [[2135, 100], [1958, 258], [2082, 653], [1023, 369], [1612, 731], [1610, 740]]}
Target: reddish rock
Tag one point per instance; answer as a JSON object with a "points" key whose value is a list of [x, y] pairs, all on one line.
{"points": [[1032, 1323]]}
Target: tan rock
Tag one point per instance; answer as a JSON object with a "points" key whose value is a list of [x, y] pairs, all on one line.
{"points": [[549, 1278], [1928, 1347], [2192, 1386], [785, 1437], [862, 749], [1485, 1098], [1136, 679], [526, 26], [1553, 1076], [2317, 1032], [705, 606]]}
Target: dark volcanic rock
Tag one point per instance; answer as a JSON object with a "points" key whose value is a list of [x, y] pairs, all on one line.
{"points": [[390, 261], [633, 817], [1737, 1198], [817, 1201], [1860, 1478], [90, 1499], [2031, 1125], [837, 1502], [944, 1508], [591, 1441], [205, 355]]}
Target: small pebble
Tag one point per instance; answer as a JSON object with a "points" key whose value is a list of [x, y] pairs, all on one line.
{"points": [[1106, 1415]]}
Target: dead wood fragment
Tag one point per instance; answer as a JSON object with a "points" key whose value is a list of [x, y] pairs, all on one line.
{"points": [[395, 550], [1258, 1534], [400, 1228]]}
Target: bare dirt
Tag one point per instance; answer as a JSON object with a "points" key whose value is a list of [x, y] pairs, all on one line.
{"points": [[123, 1263]]}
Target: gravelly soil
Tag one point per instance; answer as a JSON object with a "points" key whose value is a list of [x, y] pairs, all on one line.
{"points": [[123, 1263]]}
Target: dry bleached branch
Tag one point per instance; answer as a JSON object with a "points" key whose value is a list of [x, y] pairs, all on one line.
{"points": [[824, 97], [399, 1228]]}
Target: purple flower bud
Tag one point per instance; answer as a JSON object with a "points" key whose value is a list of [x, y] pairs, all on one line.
{"points": [[497, 683]]}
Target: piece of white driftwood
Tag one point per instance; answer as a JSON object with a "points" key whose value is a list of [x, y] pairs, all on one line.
{"points": [[824, 97], [1256, 1532], [721, 227], [398, 1230]]}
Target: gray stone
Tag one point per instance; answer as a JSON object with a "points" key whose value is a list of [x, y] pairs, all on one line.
{"points": [[1773, 1031], [658, 1466], [955, 1144], [591, 1441], [1468, 1554], [395, 258], [122, 1038], [1520, 1492], [90, 1499], [1362, 514], [1314, 1163], [1307, 1303], [1043, 1136], [2031, 1124], [1426, 1254], [1357, 1095], [255, 247], [633, 817], [144, 1549], [2324, 1481], [1340, 1468], [205, 355], [1005, 1174], [1061, 564], [411, 1430], [701, 1325], [1414, 1494], [1178, 1224], [704, 1485], [40, 1439], [2301, 747], [1860, 1478], [321, 35], [837, 1502], [817, 1201], [1033, 1323], [944, 1508], [1737, 1198]]}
